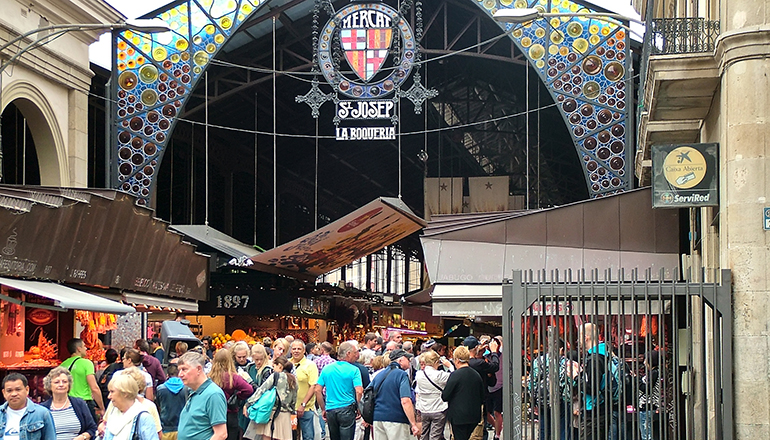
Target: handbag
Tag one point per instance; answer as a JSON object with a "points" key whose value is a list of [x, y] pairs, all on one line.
{"points": [[135, 435], [232, 402], [261, 410]]}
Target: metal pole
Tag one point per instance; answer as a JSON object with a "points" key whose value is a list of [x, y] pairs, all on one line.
{"points": [[2, 108], [23, 150], [527, 135], [206, 146]]}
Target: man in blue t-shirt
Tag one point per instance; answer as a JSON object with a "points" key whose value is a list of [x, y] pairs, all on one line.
{"points": [[342, 381], [393, 406]]}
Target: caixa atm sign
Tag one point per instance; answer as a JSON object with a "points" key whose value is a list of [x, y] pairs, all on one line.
{"points": [[685, 175]]}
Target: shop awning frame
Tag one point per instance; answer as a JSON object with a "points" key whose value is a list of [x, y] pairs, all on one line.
{"points": [[150, 300], [64, 298]]}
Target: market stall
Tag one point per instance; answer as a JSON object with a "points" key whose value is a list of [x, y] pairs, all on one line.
{"points": [[38, 317]]}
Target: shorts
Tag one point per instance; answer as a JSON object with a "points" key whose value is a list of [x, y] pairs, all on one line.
{"points": [[495, 402]]}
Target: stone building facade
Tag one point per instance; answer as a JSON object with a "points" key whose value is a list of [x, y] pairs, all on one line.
{"points": [[49, 84], [714, 87]]}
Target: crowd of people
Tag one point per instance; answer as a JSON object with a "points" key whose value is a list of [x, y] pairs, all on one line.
{"points": [[585, 392], [206, 394]]}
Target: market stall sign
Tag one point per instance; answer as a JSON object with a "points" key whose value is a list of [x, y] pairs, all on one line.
{"points": [[262, 303], [685, 175]]}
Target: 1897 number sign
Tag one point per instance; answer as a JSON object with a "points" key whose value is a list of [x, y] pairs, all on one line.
{"points": [[232, 301]]}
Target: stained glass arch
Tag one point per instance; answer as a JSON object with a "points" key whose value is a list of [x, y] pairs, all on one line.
{"points": [[582, 61]]}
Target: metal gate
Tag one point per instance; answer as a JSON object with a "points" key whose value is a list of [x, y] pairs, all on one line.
{"points": [[633, 358]]}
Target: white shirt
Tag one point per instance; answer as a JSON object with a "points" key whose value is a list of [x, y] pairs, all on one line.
{"points": [[13, 419], [429, 396]]}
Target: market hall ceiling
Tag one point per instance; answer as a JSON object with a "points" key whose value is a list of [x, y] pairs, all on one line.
{"points": [[482, 84]]}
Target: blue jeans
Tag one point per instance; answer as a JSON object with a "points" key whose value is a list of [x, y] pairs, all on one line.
{"points": [[305, 424], [648, 426], [321, 422], [342, 422], [565, 422]]}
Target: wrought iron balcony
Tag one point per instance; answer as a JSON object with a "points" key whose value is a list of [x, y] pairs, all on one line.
{"points": [[683, 35]]}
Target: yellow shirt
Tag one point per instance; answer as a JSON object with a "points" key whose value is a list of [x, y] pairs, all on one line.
{"points": [[307, 376]]}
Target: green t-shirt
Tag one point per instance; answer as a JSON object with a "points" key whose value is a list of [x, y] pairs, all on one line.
{"points": [[205, 408], [80, 371]]}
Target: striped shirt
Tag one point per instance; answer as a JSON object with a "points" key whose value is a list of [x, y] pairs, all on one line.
{"points": [[66, 422]]}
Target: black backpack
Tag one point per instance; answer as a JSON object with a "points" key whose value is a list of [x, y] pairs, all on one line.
{"points": [[366, 407]]}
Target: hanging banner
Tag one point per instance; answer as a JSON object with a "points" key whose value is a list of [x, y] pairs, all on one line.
{"points": [[366, 230], [685, 175]]}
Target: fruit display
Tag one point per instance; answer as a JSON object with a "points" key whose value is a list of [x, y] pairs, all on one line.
{"points": [[218, 340]]}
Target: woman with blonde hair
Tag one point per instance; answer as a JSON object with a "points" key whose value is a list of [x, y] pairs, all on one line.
{"points": [[259, 370], [223, 374], [430, 383], [279, 426], [71, 416], [137, 376], [129, 419], [280, 348], [464, 392]]}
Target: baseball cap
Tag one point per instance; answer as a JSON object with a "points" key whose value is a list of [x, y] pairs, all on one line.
{"points": [[430, 343], [397, 353], [471, 342]]}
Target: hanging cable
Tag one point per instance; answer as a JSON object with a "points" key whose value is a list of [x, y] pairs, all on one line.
{"points": [[256, 163], [275, 153], [399, 147], [206, 218], [315, 197]]}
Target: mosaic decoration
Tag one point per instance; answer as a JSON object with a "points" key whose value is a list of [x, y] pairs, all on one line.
{"points": [[583, 62], [156, 74]]}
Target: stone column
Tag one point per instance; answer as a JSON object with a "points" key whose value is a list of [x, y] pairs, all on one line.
{"points": [[744, 56], [77, 141]]}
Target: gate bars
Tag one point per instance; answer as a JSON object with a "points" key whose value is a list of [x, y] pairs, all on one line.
{"points": [[688, 325]]}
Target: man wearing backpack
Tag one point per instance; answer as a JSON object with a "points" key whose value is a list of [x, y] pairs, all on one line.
{"points": [[394, 417], [592, 380], [342, 382]]}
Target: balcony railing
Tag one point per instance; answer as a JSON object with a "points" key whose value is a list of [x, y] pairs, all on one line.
{"points": [[683, 35]]}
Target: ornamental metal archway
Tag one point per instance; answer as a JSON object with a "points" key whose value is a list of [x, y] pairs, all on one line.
{"points": [[584, 63]]}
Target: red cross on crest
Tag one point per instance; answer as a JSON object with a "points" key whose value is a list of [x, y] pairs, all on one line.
{"points": [[366, 49]]}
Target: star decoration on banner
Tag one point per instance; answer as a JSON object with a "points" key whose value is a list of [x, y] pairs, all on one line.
{"points": [[418, 94], [315, 98], [488, 185], [444, 187]]}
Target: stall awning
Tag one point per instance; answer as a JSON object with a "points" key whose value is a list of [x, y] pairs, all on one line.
{"points": [[467, 300], [63, 297], [364, 231]]}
